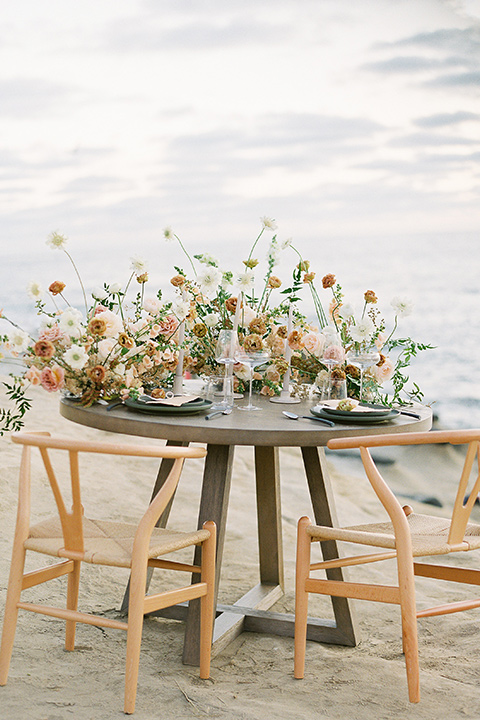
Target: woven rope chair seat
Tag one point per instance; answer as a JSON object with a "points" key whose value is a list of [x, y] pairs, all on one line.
{"points": [[429, 535], [108, 543]]}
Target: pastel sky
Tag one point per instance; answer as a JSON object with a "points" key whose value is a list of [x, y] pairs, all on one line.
{"points": [[338, 118]]}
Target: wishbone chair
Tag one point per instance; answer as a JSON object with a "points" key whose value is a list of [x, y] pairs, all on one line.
{"points": [[75, 539], [407, 536]]}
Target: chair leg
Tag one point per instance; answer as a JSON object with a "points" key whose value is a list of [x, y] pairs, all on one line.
{"points": [[72, 604], [301, 596], [409, 626], [207, 608], [136, 608], [11, 610]]}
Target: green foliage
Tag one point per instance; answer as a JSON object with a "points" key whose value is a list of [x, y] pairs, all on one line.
{"points": [[11, 419]]}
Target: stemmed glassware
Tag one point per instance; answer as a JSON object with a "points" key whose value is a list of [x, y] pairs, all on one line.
{"points": [[363, 358], [225, 350], [333, 353], [253, 359]]}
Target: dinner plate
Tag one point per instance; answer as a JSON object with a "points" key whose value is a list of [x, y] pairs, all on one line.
{"points": [[191, 408], [371, 411], [352, 418]]}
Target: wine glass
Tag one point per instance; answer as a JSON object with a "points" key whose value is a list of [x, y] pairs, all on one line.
{"points": [[253, 359], [333, 353], [225, 349], [363, 358]]}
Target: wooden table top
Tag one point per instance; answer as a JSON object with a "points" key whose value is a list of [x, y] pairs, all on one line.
{"points": [[265, 427]]}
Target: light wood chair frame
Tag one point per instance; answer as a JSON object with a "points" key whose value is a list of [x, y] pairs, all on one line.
{"points": [[73, 552], [402, 594]]}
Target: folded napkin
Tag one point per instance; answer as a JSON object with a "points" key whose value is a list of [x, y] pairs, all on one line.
{"points": [[173, 401], [333, 405]]}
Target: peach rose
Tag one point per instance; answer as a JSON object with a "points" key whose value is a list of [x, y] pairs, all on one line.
{"points": [[295, 340], [314, 343], [113, 323], [33, 376], [385, 371], [52, 379]]}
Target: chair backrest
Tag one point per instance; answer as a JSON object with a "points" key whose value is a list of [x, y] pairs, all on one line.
{"points": [[71, 520], [465, 498]]}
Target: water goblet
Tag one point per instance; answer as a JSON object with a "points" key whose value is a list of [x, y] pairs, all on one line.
{"points": [[363, 358], [225, 349], [333, 353], [252, 359]]}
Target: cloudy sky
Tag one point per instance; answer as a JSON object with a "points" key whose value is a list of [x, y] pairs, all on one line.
{"points": [[338, 118]]}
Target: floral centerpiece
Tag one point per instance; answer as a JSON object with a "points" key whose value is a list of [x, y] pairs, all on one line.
{"points": [[110, 348], [127, 340]]}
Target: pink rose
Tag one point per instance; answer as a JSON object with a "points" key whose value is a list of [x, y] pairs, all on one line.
{"points": [[168, 326], [50, 333], [334, 352], [52, 379]]}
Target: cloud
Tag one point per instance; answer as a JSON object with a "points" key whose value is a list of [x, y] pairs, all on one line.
{"points": [[425, 139], [446, 119], [220, 30], [29, 97], [405, 64], [463, 42], [466, 79]]}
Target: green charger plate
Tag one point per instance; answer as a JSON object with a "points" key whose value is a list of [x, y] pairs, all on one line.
{"points": [[192, 408], [351, 418]]}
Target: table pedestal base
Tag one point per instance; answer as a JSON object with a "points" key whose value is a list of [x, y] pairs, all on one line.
{"points": [[251, 612]]}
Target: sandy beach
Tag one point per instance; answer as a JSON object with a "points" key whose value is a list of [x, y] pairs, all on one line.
{"points": [[253, 678]]}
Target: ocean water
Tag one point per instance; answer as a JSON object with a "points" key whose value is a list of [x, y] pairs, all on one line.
{"points": [[438, 272]]}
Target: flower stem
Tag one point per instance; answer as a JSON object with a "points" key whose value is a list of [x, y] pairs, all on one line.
{"points": [[79, 279], [186, 253]]}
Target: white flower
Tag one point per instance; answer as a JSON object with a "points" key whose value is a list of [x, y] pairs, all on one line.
{"points": [[112, 321], [18, 340], [138, 265], [209, 279], [227, 279], [181, 309], [56, 241], [71, 322], [286, 243], [402, 306], [168, 234], [346, 311], [363, 330], [245, 280], [268, 223], [211, 319], [152, 305], [273, 255], [76, 357], [114, 288], [99, 293], [34, 290]]}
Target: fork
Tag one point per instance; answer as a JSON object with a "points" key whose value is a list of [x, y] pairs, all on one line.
{"points": [[213, 414]]}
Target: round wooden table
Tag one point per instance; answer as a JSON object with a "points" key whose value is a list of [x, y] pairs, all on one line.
{"points": [[266, 430]]}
